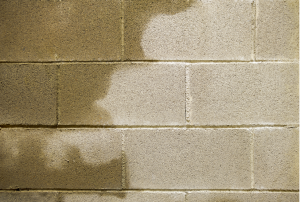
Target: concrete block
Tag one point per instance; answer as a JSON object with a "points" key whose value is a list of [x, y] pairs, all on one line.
{"points": [[218, 196], [213, 196], [60, 159], [122, 94], [188, 30], [28, 94], [244, 94], [276, 158], [28, 196], [188, 159], [68, 30], [275, 197], [277, 30], [124, 196]]}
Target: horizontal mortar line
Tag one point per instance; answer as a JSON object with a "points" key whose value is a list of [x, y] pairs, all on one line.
{"points": [[150, 61], [152, 190], [149, 126]]}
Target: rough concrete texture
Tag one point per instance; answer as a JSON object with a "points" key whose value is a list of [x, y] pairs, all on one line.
{"points": [[276, 158], [145, 196], [217, 196], [28, 94], [60, 30], [136, 196], [61, 159], [91, 196], [31, 196], [277, 30], [188, 30], [240, 93], [124, 94], [188, 159], [275, 197]]}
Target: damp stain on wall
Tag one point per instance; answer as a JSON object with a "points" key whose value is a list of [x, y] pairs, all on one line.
{"points": [[137, 16], [30, 168], [80, 85], [79, 30]]}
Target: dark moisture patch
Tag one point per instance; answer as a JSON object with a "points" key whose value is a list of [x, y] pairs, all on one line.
{"points": [[29, 169], [138, 13], [80, 85], [28, 94], [69, 30]]}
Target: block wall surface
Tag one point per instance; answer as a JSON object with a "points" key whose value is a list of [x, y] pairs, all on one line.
{"points": [[138, 100]]}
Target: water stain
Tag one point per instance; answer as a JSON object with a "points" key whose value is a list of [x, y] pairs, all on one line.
{"points": [[60, 30], [30, 170], [28, 94], [89, 196], [80, 85], [138, 14]]}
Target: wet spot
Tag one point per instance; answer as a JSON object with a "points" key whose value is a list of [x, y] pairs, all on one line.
{"points": [[30, 170], [138, 14], [80, 85], [66, 30]]}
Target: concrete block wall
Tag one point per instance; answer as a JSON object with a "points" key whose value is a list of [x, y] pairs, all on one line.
{"points": [[138, 100]]}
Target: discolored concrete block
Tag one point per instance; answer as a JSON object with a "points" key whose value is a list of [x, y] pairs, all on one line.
{"points": [[188, 159], [188, 30], [60, 159], [126, 196], [276, 158], [122, 94], [28, 94], [239, 93], [218, 196], [32, 196], [277, 30], [53, 30]]}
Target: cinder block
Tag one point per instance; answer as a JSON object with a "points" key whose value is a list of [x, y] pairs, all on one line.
{"points": [[213, 196], [122, 94], [28, 94], [188, 159], [277, 30], [188, 30], [276, 158], [60, 159], [67, 30], [275, 197], [216, 196], [239, 93], [124, 196], [26, 196]]}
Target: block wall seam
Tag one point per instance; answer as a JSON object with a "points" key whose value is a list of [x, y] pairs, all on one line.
{"points": [[252, 158], [187, 95], [151, 61], [122, 30], [123, 163], [254, 27], [57, 94]]}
